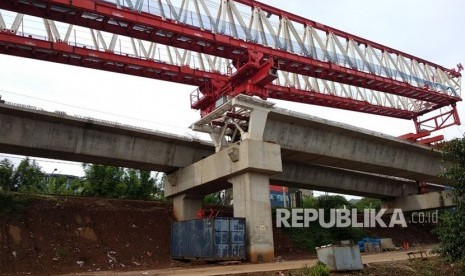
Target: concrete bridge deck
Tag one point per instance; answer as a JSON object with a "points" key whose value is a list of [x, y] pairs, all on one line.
{"points": [[316, 153]]}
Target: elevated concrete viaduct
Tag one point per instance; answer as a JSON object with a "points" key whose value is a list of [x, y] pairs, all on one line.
{"points": [[54, 135], [253, 144]]}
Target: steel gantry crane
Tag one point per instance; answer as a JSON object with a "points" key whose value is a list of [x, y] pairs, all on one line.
{"points": [[231, 47]]}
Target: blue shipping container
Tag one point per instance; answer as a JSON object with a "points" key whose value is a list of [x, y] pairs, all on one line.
{"points": [[209, 239]]}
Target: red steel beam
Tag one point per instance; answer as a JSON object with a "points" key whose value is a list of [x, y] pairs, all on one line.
{"points": [[434, 139], [415, 136], [63, 53], [303, 96], [213, 44], [28, 47]]}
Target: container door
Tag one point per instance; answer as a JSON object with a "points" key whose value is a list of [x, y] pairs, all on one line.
{"points": [[176, 240], [237, 231], [206, 240], [221, 248]]}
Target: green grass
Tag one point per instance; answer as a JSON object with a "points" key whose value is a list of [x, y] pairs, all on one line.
{"points": [[320, 269]]}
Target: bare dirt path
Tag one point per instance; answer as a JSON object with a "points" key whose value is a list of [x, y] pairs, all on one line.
{"points": [[248, 268]]}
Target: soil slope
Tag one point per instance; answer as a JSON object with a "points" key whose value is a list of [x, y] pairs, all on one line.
{"points": [[56, 235]]}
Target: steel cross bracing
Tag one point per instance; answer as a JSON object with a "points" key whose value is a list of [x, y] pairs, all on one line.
{"points": [[213, 47]]}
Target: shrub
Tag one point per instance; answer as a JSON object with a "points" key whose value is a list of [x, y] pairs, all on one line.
{"points": [[320, 269]]}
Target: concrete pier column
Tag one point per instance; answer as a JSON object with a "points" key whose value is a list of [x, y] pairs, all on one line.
{"points": [[185, 206], [251, 195], [242, 159]]}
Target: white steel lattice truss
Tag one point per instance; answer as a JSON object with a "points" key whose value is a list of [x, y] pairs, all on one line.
{"points": [[237, 20]]}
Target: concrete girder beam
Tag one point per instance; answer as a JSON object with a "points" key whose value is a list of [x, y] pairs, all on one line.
{"points": [[428, 201], [44, 134], [307, 139], [321, 178], [327, 179]]}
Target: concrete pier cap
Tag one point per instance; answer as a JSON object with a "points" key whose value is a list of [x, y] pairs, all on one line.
{"points": [[244, 161]]}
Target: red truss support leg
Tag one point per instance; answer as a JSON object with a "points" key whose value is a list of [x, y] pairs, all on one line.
{"points": [[438, 122], [429, 125]]}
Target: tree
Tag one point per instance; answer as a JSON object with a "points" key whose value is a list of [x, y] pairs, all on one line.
{"points": [[116, 182], [309, 202], [368, 203], [315, 235], [28, 177], [140, 184], [6, 175], [103, 181], [76, 187], [213, 199], [61, 185], [150, 187], [99, 181], [332, 202], [451, 228]]}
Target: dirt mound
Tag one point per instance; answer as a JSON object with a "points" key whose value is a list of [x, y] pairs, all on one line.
{"points": [[58, 235], [414, 234], [81, 234]]}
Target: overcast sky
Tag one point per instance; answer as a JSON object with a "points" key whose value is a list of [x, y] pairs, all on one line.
{"points": [[429, 29]]}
